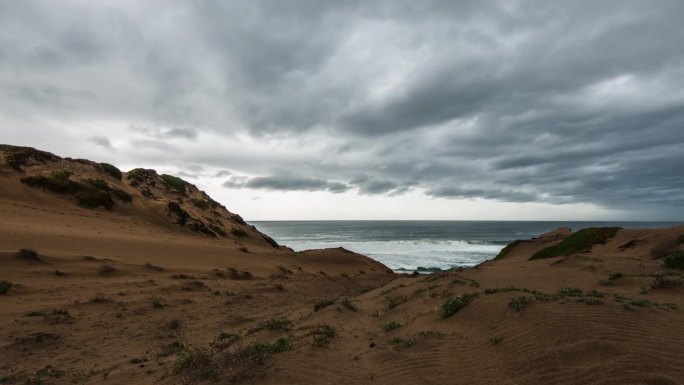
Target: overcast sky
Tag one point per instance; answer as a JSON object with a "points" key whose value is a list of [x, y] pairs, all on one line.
{"points": [[364, 109]]}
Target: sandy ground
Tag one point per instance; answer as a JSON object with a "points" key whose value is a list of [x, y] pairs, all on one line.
{"points": [[129, 297]]}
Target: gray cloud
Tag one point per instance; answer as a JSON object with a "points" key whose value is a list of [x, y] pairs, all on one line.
{"points": [[289, 183], [536, 101], [101, 141]]}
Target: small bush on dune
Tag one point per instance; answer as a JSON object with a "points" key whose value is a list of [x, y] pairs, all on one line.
{"points": [[665, 283], [322, 304], [200, 203], [5, 286], [675, 261], [518, 303], [122, 195], [453, 305], [175, 183], [28, 254], [322, 334], [278, 324], [92, 198], [106, 269], [391, 326], [111, 170], [238, 232], [98, 184], [579, 242]]}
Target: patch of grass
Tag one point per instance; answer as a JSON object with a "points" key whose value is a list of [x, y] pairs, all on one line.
{"points": [[158, 303], [322, 334], [5, 286], [496, 340], [225, 340], [615, 276], [200, 203], [569, 292], [395, 301], [402, 342], [111, 170], [453, 305], [278, 324], [35, 313], [92, 198], [661, 282], [60, 273], [87, 194], [518, 303], [175, 183], [349, 304], [282, 344], [579, 242], [106, 269], [675, 261], [465, 281], [196, 364], [238, 232], [391, 289], [593, 301], [322, 304], [507, 250], [237, 275], [28, 254], [391, 326], [122, 195], [99, 184], [150, 266]]}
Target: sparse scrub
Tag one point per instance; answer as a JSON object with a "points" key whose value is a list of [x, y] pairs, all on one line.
{"points": [[453, 305], [122, 195], [225, 340], [200, 203], [391, 326], [234, 274], [675, 261], [238, 232], [5, 286], [661, 282], [28, 254], [579, 242], [175, 183], [569, 292], [400, 342], [593, 301], [60, 273], [278, 324], [349, 304], [322, 304], [395, 301], [496, 340], [507, 250], [150, 266], [322, 334], [112, 170], [518, 303], [106, 269], [615, 276], [158, 303]]}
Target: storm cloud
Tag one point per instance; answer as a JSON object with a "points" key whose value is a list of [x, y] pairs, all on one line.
{"points": [[535, 101]]}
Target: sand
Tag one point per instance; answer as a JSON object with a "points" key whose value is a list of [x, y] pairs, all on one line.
{"points": [[129, 296]]}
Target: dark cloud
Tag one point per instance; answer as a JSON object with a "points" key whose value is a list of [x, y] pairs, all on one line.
{"points": [[535, 101], [288, 183], [101, 141]]}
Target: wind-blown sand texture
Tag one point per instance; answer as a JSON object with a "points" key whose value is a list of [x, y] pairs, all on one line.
{"points": [[151, 293]]}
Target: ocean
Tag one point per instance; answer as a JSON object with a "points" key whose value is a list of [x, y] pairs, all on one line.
{"points": [[425, 246]]}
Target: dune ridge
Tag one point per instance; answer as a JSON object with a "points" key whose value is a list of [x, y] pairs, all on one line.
{"points": [[171, 288]]}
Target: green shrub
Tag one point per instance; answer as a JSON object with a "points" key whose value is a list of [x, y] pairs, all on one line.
{"points": [[278, 324], [322, 334], [391, 326], [201, 203], [196, 364], [238, 232], [91, 198], [518, 303], [28, 254], [507, 250], [615, 276], [174, 182], [99, 184], [122, 195], [322, 304], [58, 182], [111, 170], [675, 260], [452, 305], [570, 292], [348, 304], [282, 344], [5, 286], [579, 242]]}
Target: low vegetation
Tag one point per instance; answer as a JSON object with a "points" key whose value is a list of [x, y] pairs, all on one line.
{"points": [[675, 261], [518, 303], [238, 232], [453, 305], [579, 242], [175, 183], [28, 254], [322, 334], [507, 250], [111, 170], [322, 304], [5, 286], [391, 326]]}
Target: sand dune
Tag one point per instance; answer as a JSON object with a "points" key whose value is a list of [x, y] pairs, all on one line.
{"points": [[135, 294]]}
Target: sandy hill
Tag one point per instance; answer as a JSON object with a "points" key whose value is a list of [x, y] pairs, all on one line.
{"points": [[140, 278]]}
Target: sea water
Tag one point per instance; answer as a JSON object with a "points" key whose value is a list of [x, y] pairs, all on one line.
{"points": [[424, 246]]}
